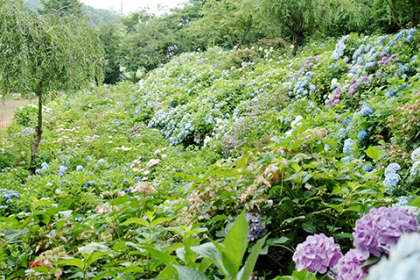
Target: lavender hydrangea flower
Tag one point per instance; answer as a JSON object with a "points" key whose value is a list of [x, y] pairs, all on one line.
{"points": [[377, 231], [403, 262], [317, 254], [349, 267]]}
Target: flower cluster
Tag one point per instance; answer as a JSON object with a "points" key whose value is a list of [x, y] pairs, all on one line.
{"points": [[391, 177], [415, 156], [403, 262], [377, 231], [8, 195], [106, 208], [257, 226], [317, 254], [349, 267], [143, 188]]}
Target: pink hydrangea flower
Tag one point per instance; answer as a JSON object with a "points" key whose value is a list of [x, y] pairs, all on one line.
{"points": [[317, 254]]}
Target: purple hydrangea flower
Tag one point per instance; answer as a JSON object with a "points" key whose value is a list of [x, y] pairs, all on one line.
{"points": [[381, 228], [349, 267], [317, 254], [378, 74]]}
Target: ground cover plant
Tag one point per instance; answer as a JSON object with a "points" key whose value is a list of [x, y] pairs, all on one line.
{"points": [[268, 168]]}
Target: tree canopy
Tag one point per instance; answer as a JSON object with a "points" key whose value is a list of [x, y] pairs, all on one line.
{"points": [[45, 55]]}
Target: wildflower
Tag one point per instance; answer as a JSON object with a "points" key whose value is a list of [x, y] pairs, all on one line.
{"points": [[79, 167], [317, 254]]}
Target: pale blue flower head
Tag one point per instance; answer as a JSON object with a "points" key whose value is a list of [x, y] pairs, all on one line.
{"points": [[416, 154], [79, 167], [392, 180], [392, 169], [403, 262]]}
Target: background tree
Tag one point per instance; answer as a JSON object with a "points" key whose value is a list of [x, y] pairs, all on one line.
{"points": [[298, 17], [111, 36], [63, 7], [403, 12], [45, 55]]}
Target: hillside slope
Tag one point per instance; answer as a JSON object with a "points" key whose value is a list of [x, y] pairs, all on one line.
{"points": [[140, 175]]}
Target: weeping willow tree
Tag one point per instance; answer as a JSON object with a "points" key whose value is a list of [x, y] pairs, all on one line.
{"points": [[45, 55]]}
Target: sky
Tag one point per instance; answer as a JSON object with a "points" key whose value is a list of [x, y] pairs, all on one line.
{"points": [[131, 5]]}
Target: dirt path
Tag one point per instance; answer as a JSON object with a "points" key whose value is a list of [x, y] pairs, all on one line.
{"points": [[7, 108]]}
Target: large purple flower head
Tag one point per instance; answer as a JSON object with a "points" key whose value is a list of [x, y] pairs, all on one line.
{"points": [[349, 267], [377, 231], [317, 254]]}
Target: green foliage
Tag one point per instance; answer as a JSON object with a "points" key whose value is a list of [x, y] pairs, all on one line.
{"points": [[61, 7]]}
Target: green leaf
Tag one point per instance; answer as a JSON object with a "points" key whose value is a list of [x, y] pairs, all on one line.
{"points": [[161, 220], [187, 273], [12, 233], [210, 251], [236, 244], [415, 202], [120, 200], [137, 221], [371, 260], [372, 152], [42, 217], [246, 271], [72, 262], [102, 275], [93, 258], [118, 246], [309, 226], [205, 263], [166, 273]]}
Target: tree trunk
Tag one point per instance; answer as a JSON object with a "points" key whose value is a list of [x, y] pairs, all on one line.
{"points": [[295, 43], [37, 136]]}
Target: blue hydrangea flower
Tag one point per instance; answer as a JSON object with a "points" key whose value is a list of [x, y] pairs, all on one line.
{"points": [[362, 135], [349, 146], [403, 261], [392, 92], [79, 167], [366, 167], [416, 154], [101, 161], [392, 169], [392, 180], [366, 110], [347, 160]]}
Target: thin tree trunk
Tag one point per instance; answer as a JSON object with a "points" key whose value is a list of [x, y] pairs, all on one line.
{"points": [[295, 44], [37, 135]]}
